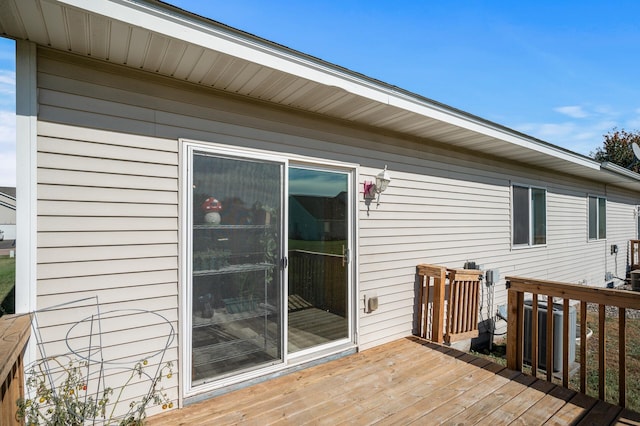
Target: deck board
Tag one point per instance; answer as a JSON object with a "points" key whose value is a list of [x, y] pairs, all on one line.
{"points": [[403, 382]]}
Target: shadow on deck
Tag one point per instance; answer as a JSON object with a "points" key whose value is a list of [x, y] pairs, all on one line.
{"points": [[405, 381]]}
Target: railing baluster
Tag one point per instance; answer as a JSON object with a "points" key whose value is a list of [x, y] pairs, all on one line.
{"points": [[583, 347], [622, 357], [424, 305], [601, 351], [534, 335], [549, 347], [457, 314], [565, 343], [475, 302], [450, 307], [464, 307]]}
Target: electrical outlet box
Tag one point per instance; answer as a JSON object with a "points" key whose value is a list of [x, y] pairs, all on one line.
{"points": [[371, 302], [492, 276], [614, 248]]}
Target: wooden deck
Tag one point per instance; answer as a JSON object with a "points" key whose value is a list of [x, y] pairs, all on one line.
{"points": [[403, 382]]}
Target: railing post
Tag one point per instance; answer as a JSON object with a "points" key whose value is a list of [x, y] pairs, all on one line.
{"points": [[515, 300]]}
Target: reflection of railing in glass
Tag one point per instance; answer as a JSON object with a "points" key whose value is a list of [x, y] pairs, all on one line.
{"points": [[319, 278]]}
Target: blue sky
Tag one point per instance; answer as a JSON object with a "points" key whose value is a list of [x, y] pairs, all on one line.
{"points": [[563, 71]]}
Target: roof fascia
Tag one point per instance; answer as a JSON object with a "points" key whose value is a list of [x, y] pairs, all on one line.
{"points": [[619, 170]]}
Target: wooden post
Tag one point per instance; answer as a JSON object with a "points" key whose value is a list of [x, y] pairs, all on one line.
{"points": [[515, 300], [437, 322], [602, 358]]}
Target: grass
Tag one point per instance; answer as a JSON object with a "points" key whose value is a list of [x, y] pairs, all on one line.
{"points": [[498, 355], [7, 282], [632, 332], [330, 247]]}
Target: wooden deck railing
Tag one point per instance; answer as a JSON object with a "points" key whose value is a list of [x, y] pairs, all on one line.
{"points": [[14, 334], [452, 293], [547, 291]]}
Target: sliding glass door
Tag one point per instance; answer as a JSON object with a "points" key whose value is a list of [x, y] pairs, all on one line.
{"points": [[319, 264], [243, 316], [236, 285]]}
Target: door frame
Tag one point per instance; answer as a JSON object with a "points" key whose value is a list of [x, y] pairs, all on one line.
{"points": [[187, 146]]}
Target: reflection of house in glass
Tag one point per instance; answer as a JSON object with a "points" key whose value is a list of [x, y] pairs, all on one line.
{"points": [[317, 218]]}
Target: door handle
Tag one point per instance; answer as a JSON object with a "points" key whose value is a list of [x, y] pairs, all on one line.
{"points": [[345, 256]]}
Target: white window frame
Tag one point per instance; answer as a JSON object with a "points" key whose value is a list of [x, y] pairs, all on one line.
{"points": [[530, 242], [598, 213]]}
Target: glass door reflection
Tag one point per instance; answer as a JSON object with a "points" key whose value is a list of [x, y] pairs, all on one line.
{"points": [[318, 272]]}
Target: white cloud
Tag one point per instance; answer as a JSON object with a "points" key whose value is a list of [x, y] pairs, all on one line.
{"points": [[633, 123], [7, 169], [585, 132], [573, 111], [7, 82]]}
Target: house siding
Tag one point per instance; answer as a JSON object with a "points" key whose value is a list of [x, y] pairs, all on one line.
{"points": [[443, 206], [107, 234]]}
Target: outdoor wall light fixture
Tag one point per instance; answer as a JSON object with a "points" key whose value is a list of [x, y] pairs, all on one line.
{"points": [[382, 183]]}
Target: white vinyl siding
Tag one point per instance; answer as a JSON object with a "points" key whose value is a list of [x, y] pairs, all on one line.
{"points": [[107, 234], [442, 206], [621, 218]]}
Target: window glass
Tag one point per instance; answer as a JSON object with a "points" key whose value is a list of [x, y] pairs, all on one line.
{"points": [[602, 218], [593, 218], [529, 215], [520, 215], [597, 218], [538, 206]]}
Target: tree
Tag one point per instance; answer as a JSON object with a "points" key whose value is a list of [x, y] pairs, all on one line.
{"points": [[616, 148]]}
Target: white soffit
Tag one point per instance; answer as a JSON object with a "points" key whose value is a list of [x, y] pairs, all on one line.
{"points": [[159, 38]]}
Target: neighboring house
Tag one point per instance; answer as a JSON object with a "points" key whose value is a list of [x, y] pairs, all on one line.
{"points": [[137, 120], [8, 212], [315, 217]]}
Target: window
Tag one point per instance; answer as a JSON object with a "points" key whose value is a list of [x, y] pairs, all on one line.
{"points": [[529, 216], [597, 218]]}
